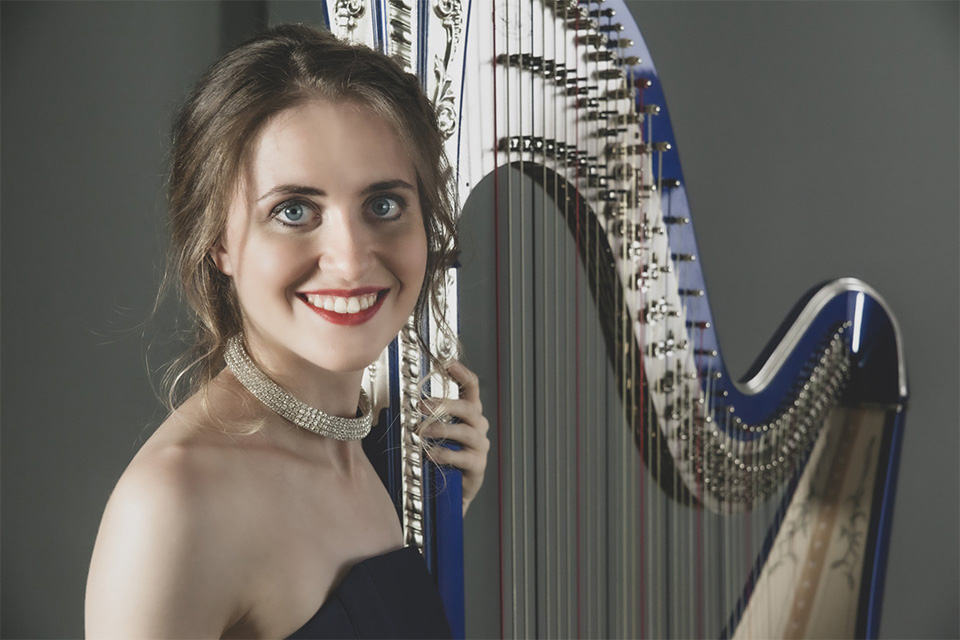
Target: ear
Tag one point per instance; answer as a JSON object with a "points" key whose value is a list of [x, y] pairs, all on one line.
{"points": [[221, 258]]}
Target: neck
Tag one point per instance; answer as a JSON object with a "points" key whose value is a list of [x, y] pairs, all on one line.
{"points": [[333, 392], [345, 458]]}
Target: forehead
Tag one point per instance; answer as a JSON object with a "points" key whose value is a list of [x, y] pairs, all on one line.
{"points": [[332, 146]]}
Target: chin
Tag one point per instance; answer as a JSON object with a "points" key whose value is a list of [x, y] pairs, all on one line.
{"points": [[346, 361]]}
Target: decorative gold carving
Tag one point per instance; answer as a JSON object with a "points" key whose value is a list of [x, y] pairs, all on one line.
{"points": [[349, 13], [401, 34], [450, 13], [411, 455]]}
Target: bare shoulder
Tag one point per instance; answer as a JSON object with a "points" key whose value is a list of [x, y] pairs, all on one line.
{"points": [[212, 533], [164, 562]]}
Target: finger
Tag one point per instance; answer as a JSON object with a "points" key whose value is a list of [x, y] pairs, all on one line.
{"points": [[465, 460], [462, 433], [468, 380], [463, 410]]}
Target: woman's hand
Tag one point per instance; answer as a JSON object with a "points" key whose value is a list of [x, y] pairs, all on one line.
{"points": [[470, 432]]}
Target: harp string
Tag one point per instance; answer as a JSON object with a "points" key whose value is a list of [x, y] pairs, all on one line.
{"points": [[635, 428], [627, 354], [498, 316], [559, 242], [549, 430], [643, 409], [629, 470], [594, 544], [685, 615], [561, 321], [576, 335], [634, 181], [658, 517], [519, 384], [635, 497], [546, 406], [563, 452], [662, 566], [589, 438], [511, 341], [696, 571], [633, 178]]}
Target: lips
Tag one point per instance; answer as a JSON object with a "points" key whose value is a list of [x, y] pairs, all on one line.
{"points": [[345, 306]]}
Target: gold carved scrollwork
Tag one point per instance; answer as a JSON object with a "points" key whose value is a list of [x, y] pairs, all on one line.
{"points": [[450, 13], [348, 13]]}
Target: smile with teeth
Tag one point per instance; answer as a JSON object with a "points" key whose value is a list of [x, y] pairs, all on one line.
{"points": [[342, 305]]}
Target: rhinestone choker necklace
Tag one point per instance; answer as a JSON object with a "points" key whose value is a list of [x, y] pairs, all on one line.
{"points": [[301, 414]]}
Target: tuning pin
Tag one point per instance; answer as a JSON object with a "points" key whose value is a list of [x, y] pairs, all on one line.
{"points": [[619, 94], [601, 55], [592, 39], [612, 27], [578, 91], [510, 144], [609, 74], [602, 13], [600, 115], [596, 179], [612, 194], [604, 132], [624, 171], [583, 24]]}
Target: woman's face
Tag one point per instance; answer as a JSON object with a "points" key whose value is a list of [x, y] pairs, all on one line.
{"points": [[325, 240]]}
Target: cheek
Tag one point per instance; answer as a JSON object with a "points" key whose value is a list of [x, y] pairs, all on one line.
{"points": [[269, 268], [406, 258], [418, 260]]}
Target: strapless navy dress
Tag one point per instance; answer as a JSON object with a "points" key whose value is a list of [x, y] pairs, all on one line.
{"points": [[386, 596]]}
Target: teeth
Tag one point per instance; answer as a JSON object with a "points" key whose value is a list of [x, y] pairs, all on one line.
{"points": [[343, 305]]}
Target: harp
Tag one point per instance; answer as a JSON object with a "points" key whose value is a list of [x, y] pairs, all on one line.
{"points": [[641, 491]]}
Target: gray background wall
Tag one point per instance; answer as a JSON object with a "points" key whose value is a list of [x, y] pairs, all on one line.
{"points": [[818, 140]]}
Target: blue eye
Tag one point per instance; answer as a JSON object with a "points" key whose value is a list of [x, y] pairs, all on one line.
{"points": [[291, 213], [385, 208]]}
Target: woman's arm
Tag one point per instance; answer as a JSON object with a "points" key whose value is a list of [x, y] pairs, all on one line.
{"points": [[163, 564]]}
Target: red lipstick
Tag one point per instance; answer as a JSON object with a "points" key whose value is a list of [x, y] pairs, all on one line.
{"points": [[349, 319]]}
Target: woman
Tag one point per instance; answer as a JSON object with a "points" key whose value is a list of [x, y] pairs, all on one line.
{"points": [[310, 217]]}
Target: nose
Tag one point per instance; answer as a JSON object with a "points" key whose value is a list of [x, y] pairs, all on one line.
{"points": [[346, 247]]}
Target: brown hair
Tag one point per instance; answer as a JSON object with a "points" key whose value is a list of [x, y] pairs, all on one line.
{"points": [[212, 138]]}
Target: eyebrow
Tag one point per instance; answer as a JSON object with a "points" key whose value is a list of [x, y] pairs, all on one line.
{"points": [[302, 190]]}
